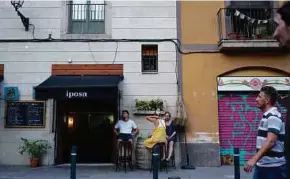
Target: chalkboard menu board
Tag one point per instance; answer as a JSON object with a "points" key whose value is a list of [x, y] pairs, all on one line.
{"points": [[25, 114]]}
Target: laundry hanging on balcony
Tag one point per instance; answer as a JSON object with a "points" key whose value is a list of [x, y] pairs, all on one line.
{"points": [[252, 20]]}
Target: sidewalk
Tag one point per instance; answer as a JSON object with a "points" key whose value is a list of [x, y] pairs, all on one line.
{"points": [[54, 172]]}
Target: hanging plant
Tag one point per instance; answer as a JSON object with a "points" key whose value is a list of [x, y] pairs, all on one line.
{"points": [[181, 115]]}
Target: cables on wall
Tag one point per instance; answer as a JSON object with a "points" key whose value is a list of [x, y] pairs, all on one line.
{"points": [[176, 42]]}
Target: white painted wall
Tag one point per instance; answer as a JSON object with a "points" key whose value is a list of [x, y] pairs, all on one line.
{"points": [[28, 64]]}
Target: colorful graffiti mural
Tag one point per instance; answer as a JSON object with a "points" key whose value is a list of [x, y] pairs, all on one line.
{"points": [[238, 122]]}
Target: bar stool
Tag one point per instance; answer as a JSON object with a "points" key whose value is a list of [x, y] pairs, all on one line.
{"points": [[172, 158], [124, 155], [162, 149]]}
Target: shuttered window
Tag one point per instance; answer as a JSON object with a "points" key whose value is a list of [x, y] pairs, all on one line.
{"points": [[86, 17]]}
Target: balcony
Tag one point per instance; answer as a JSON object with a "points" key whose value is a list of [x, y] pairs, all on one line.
{"points": [[246, 29], [86, 18]]}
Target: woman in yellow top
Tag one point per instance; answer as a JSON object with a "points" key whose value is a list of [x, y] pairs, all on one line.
{"points": [[158, 134]]}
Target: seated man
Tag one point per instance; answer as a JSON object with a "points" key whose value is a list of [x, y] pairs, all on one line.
{"points": [[127, 129]]}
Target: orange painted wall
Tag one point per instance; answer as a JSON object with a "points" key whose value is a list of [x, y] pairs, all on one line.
{"points": [[199, 26], [200, 87], [199, 21]]}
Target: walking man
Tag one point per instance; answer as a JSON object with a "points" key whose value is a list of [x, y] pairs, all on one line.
{"points": [[269, 161], [282, 35]]}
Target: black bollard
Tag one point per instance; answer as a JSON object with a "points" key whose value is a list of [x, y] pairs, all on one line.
{"points": [[155, 161], [73, 162], [237, 163]]}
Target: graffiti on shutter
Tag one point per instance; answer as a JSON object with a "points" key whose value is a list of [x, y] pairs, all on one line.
{"points": [[238, 123]]}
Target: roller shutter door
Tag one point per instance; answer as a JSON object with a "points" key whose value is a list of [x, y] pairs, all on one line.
{"points": [[238, 122]]}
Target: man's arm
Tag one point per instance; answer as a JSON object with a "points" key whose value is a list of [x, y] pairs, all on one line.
{"points": [[269, 143], [116, 128], [274, 127], [135, 128], [136, 131]]}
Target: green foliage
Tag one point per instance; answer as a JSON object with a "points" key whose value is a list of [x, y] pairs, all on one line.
{"points": [[142, 135], [142, 105], [35, 149], [151, 105]]}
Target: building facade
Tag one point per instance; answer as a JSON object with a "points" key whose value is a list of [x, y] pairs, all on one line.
{"points": [[231, 55], [82, 62]]}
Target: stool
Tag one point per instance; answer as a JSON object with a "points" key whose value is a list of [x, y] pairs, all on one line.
{"points": [[162, 148], [172, 158], [124, 155]]}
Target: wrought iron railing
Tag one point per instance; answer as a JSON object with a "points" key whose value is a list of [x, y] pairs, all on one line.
{"points": [[246, 23], [86, 18]]}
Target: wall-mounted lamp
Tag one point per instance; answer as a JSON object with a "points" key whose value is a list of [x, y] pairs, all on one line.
{"points": [[70, 122], [25, 20]]}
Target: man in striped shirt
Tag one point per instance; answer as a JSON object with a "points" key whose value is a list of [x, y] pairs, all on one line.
{"points": [[269, 161]]}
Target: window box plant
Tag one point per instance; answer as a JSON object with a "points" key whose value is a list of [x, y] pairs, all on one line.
{"points": [[143, 107], [35, 149]]}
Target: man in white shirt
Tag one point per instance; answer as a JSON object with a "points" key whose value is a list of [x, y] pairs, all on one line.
{"points": [[127, 128]]}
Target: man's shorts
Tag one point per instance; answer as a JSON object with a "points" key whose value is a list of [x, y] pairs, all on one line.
{"points": [[125, 137]]}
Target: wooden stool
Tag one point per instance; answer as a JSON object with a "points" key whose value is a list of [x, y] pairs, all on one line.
{"points": [[124, 155], [172, 158], [162, 149]]}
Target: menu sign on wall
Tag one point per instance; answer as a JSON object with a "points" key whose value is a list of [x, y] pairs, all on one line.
{"points": [[25, 114]]}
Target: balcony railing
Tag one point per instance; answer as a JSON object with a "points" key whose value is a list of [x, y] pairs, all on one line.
{"points": [[246, 24], [86, 18]]}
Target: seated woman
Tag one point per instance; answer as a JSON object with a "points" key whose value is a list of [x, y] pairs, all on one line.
{"points": [[158, 133], [170, 134], [127, 129]]}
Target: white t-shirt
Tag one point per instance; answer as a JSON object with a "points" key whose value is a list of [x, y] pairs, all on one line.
{"points": [[126, 127]]}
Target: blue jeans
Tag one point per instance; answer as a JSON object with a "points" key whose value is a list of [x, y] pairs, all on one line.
{"points": [[270, 172]]}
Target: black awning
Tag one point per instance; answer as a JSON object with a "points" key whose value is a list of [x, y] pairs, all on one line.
{"points": [[78, 87]]}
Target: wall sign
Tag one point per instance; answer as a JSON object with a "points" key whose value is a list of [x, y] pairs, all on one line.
{"points": [[25, 114], [252, 83], [11, 93], [77, 93], [70, 94]]}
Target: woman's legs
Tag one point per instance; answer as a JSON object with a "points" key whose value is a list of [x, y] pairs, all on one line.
{"points": [[170, 150], [164, 151]]}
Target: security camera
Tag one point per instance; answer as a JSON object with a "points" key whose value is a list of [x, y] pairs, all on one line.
{"points": [[69, 60]]}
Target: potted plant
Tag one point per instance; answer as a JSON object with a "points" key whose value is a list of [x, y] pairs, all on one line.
{"points": [[35, 149], [233, 36]]}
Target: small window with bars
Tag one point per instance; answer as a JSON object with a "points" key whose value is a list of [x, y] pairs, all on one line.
{"points": [[149, 58], [86, 17]]}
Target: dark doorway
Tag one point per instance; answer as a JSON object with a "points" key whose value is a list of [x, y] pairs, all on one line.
{"points": [[88, 124]]}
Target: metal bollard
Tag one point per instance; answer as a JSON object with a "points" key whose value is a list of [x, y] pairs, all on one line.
{"points": [[155, 161], [237, 163], [73, 162]]}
